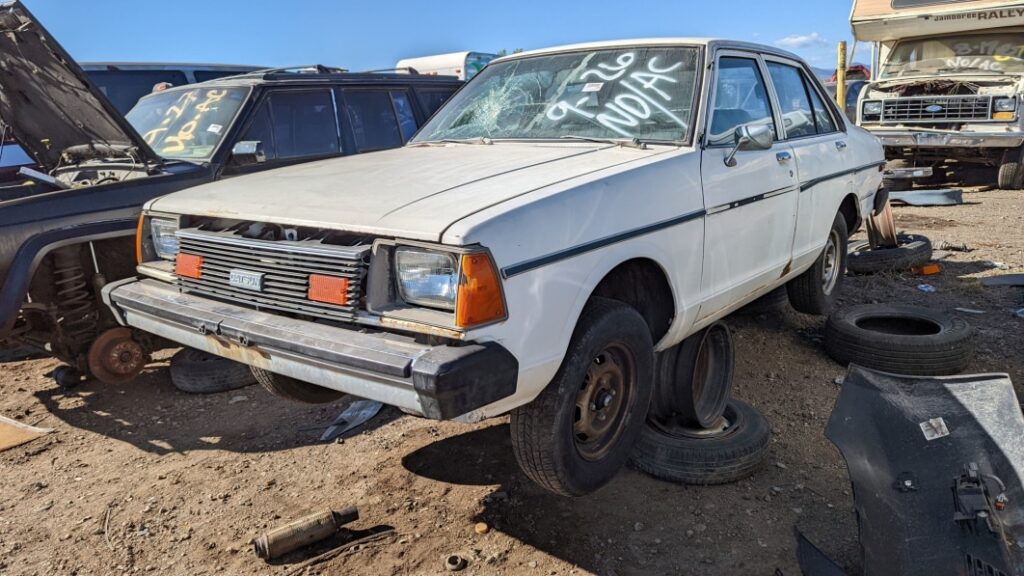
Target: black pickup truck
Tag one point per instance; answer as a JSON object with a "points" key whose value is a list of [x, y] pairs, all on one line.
{"points": [[69, 228]]}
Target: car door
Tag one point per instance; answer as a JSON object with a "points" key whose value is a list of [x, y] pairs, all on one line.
{"points": [[751, 204], [812, 129]]}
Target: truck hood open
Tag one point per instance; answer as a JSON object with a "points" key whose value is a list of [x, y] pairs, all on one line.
{"points": [[415, 192], [48, 102]]}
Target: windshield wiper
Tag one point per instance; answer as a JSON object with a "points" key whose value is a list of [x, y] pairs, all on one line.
{"points": [[479, 140], [624, 142]]}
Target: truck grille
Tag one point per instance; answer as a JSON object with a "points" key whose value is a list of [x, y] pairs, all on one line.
{"points": [[932, 109], [285, 266]]}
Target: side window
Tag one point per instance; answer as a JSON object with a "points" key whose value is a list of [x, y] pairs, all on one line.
{"points": [[797, 114], [403, 109], [304, 124], [431, 100], [822, 119], [740, 100], [262, 130], [371, 115]]}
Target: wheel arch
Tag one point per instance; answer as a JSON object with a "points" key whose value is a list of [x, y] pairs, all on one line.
{"points": [[643, 284], [850, 209]]}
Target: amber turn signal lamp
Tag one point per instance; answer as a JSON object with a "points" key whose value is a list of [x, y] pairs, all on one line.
{"points": [[188, 265], [1004, 116], [138, 238], [479, 300], [329, 289]]}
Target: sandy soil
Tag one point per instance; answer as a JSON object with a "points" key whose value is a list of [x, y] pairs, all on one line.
{"points": [[141, 478]]}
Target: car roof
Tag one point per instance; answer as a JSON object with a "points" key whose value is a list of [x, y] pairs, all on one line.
{"points": [[711, 43]]}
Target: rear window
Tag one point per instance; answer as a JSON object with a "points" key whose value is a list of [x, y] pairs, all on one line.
{"points": [[124, 87]]}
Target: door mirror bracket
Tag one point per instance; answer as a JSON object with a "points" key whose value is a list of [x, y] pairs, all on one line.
{"points": [[248, 152], [750, 138]]}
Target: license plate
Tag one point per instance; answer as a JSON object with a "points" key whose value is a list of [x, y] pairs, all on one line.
{"points": [[927, 139], [246, 280]]}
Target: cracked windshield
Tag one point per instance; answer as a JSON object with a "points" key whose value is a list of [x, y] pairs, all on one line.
{"points": [[187, 124], [643, 93], [973, 53]]}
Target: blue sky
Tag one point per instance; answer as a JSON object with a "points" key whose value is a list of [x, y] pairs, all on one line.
{"points": [[375, 34]]}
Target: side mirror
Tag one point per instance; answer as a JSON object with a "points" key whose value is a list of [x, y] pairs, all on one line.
{"points": [[248, 152], [758, 137]]}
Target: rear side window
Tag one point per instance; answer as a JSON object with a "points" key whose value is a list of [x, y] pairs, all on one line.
{"points": [[124, 87], [304, 124], [372, 116], [432, 99], [803, 111]]}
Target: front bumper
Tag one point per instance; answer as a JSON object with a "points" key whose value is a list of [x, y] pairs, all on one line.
{"points": [[918, 139], [439, 382]]}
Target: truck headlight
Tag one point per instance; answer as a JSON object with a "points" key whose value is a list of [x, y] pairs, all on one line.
{"points": [[1004, 105], [873, 108], [426, 277], [165, 243]]}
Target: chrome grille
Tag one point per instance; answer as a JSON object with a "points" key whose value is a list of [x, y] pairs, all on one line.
{"points": [[285, 266], [937, 109]]}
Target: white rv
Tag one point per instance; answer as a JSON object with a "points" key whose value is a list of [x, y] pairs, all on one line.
{"points": [[947, 84], [465, 65]]}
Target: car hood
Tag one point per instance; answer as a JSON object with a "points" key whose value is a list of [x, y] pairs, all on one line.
{"points": [[48, 102], [415, 192]]}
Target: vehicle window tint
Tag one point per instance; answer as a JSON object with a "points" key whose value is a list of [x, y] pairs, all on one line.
{"points": [[124, 87], [372, 117], [304, 124], [740, 100], [797, 114], [403, 109], [431, 100], [822, 119], [261, 130]]}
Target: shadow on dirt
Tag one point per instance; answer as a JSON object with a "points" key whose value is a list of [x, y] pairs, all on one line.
{"points": [[151, 414]]}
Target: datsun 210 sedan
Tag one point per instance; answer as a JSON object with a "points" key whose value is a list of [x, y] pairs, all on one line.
{"points": [[566, 216]]}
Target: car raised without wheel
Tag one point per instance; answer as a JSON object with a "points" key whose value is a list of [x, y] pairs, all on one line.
{"points": [[567, 215]]}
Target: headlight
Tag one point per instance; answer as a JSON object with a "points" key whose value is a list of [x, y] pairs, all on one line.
{"points": [[873, 108], [427, 278], [1004, 104], [164, 241]]}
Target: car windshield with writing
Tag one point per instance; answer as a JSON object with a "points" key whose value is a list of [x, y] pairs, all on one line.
{"points": [[187, 124], [960, 54], [643, 93]]}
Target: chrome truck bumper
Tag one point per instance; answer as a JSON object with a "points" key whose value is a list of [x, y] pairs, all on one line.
{"points": [[439, 382], [914, 139]]}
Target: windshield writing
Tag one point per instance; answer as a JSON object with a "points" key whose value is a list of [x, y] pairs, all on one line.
{"points": [[187, 124], [992, 53], [644, 93]]}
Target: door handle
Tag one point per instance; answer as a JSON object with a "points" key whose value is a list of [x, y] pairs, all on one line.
{"points": [[840, 145], [783, 157]]}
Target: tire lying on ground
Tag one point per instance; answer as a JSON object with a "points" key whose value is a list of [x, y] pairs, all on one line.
{"points": [[913, 250], [198, 372], [291, 389], [900, 339], [734, 451]]}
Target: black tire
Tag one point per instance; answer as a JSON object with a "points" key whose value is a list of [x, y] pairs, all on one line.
{"points": [[899, 184], [714, 459], [1011, 169], [913, 250], [771, 303], [811, 292], [900, 339], [296, 390], [545, 437], [198, 372]]}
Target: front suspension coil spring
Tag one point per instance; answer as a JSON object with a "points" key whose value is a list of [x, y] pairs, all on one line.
{"points": [[78, 318]]}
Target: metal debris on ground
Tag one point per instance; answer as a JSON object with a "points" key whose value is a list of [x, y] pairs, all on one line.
{"points": [[970, 311], [302, 532], [454, 563], [357, 413], [1004, 280], [927, 288], [953, 247], [943, 197]]}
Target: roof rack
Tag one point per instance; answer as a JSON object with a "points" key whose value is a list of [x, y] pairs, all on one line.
{"points": [[305, 69], [406, 69]]}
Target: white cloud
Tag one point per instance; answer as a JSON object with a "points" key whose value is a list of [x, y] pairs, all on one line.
{"points": [[798, 41]]}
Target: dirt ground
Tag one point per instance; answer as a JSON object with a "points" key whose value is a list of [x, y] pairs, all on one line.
{"points": [[141, 478]]}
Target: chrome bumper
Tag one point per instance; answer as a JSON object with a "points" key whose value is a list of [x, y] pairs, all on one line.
{"points": [[440, 382], [912, 139]]}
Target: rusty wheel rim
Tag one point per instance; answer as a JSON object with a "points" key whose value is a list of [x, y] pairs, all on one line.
{"points": [[603, 401], [882, 229]]}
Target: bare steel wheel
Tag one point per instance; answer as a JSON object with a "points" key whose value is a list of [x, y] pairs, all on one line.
{"points": [[603, 401], [578, 433], [816, 290], [831, 259]]}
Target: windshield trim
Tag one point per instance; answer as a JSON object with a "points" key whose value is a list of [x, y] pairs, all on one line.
{"points": [[698, 85], [227, 128]]}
